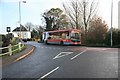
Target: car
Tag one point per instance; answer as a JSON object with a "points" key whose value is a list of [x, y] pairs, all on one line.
{"points": [[25, 40]]}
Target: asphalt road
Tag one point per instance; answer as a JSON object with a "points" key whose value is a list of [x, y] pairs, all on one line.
{"points": [[55, 61]]}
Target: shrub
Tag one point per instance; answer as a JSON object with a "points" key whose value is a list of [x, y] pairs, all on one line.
{"points": [[115, 37]]}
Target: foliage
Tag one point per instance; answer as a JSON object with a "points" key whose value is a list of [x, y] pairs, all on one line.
{"points": [[14, 41], [115, 37], [96, 31], [1, 42], [40, 30], [80, 12], [6, 40], [36, 30], [15, 49], [49, 21], [73, 11], [34, 34], [55, 19]]}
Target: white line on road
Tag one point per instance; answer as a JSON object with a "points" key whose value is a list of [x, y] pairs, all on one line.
{"points": [[61, 54], [49, 73], [78, 54]]}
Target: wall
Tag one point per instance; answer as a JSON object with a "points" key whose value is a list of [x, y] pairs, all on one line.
{"points": [[24, 34]]}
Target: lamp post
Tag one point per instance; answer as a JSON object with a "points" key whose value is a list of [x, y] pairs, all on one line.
{"points": [[20, 15], [111, 22]]}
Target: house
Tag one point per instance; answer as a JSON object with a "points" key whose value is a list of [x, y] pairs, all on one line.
{"points": [[23, 33]]}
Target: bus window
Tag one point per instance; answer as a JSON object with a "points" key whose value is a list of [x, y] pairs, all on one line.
{"points": [[75, 36], [63, 36], [49, 37]]}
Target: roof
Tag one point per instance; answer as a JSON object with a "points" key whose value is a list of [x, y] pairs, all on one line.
{"points": [[63, 30], [18, 29]]}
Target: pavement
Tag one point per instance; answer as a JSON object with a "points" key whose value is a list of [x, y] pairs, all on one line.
{"points": [[6, 60]]}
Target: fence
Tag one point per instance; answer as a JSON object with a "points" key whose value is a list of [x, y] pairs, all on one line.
{"points": [[12, 49]]}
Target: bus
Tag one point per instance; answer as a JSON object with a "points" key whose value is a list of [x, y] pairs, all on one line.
{"points": [[63, 37]]}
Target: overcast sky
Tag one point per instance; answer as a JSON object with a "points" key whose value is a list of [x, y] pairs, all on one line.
{"points": [[32, 10]]}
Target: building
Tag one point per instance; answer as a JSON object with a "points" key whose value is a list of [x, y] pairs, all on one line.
{"points": [[23, 33], [119, 14]]}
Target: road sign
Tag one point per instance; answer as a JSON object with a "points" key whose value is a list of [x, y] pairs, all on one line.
{"points": [[8, 29]]}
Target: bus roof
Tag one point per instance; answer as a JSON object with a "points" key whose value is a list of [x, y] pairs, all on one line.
{"points": [[63, 30]]}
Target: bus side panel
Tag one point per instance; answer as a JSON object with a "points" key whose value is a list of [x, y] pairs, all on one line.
{"points": [[54, 41]]}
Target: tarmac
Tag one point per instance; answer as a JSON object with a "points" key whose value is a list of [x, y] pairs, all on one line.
{"points": [[6, 60]]}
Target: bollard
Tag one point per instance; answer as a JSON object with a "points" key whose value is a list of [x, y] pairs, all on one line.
{"points": [[10, 49], [19, 46]]}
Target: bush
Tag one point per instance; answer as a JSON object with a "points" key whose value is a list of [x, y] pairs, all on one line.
{"points": [[14, 41], [115, 37]]}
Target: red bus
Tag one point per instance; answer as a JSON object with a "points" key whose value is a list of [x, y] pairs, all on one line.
{"points": [[63, 37]]}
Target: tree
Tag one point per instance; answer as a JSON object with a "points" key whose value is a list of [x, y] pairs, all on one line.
{"points": [[115, 36], [97, 30], [29, 26], [73, 11], [88, 10], [55, 19], [48, 20], [34, 33], [80, 13], [40, 31], [64, 22]]}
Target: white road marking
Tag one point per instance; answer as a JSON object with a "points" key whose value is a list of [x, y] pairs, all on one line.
{"points": [[49, 73], [61, 54], [98, 49], [78, 54]]}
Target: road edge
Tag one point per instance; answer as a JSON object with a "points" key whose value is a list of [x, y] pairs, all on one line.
{"points": [[25, 55]]}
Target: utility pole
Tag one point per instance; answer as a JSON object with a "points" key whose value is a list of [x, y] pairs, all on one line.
{"points": [[20, 15], [111, 22]]}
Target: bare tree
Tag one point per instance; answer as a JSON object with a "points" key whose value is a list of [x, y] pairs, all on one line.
{"points": [[80, 12], [88, 10], [29, 26], [73, 11]]}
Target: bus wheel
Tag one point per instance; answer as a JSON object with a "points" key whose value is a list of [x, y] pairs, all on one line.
{"points": [[46, 42], [61, 43]]}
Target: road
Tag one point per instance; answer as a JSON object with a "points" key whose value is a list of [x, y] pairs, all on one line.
{"points": [[55, 61]]}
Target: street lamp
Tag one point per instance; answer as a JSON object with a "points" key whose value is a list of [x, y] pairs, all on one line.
{"points": [[20, 15], [111, 22]]}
